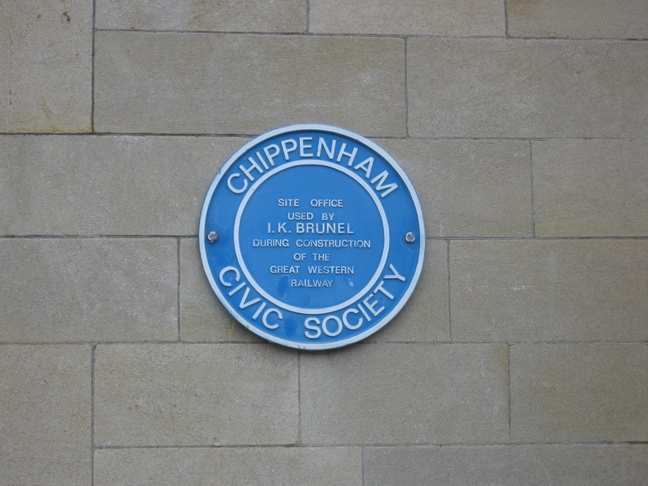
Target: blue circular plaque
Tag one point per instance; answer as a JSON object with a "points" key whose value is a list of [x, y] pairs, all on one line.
{"points": [[312, 237]]}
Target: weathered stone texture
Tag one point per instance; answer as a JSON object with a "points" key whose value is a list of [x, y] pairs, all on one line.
{"points": [[271, 466], [45, 415], [195, 394], [579, 392], [202, 317], [88, 290], [425, 316], [247, 84], [521, 356], [46, 66], [531, 465], [591, 187], [111, 185], [413, 17], [405, 394], [627, 19], [468, 187], [550, 290], [527, 88], [203, 15]]}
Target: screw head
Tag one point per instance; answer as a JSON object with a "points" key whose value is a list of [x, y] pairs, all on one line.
{"points": [[212, 236], [410, 238]]}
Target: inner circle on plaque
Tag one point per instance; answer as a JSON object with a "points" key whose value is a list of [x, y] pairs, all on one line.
{"points": [[311, 237]]}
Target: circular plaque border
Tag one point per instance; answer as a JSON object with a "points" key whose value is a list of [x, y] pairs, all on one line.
{"points": [[418, 232], [259, 288]]}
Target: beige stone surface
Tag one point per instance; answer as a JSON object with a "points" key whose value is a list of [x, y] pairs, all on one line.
{"points": [[45, 66], [203, 15], [405, 394], [112, 185], [88, 290], [425, 316], [271, 466], [591, 187], [468, 187], [195, 394], [579, 392], [247, 84], [45, 415], [527, 88], [413, 17], [553, 290], [531, 465], [202, 317], [578, 18], [522, 355]]}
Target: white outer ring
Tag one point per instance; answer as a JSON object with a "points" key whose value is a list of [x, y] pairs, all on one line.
{"points": [[202, 236]]}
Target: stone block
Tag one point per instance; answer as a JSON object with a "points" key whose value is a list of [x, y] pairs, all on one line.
{"points": [[202, 316], [425, 316], [468, 187], [90, 289], [247, 84], [112, 185], [549, 290], [46, 66], [201, 15], [624, 19], [321, 466], [591, 187], [507, 465], [45, 415], [526, 88], [408, 17], [195, 394], [579, 392], [405, 394]]}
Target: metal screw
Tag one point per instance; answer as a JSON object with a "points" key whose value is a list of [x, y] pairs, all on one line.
{"points": [[212, 236], [410, 238]]}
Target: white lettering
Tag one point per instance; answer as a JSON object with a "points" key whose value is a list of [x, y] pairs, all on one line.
{"points": [[351, 154], [270, 156], [253, 166], [284, 269], [371, 305], [311, 284], [237, 275], [383, 291], [324, 228], [309, 326], [258, 312], [331, 203], [331, 269], [326, 329], [366, 166], [236, 190], [301, 216], [303, 146], [265, 318], [243, 304], [288, 203], [286, 150], [381, 179], [345, 319], [396, 275], [322, 144]]}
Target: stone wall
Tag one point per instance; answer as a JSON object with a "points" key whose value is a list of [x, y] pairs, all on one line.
{"points": [[521, 358]]}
